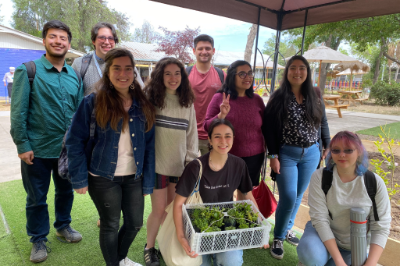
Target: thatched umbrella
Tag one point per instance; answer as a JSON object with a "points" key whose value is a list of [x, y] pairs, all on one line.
{"points": [[354, 67]]}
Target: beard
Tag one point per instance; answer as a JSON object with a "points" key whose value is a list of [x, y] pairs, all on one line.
{"points": [[55, 55]]}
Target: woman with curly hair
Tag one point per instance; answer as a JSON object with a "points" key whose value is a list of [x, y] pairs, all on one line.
{"points": [[119, 171], [326, 238], [176, 140]]}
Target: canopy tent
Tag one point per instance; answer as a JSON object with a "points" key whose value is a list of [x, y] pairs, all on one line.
{"points": [[287, 14]]}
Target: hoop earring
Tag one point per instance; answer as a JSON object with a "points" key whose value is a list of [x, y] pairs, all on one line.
{"points": [[132, 86]]}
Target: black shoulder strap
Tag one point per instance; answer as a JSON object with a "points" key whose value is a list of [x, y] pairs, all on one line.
{"points": [[370, 185], [188, 70], [327, 177], [31, 71], [78, 75], [85, 64], [220, 74]]}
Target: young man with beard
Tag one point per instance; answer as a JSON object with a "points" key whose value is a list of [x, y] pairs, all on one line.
{"points": [[91, 66], [205, 80], [41, 113]]}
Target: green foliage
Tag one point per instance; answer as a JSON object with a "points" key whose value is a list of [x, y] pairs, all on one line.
{"points": [[385, 93], [80, 15], [388, 158], [286, 48]]}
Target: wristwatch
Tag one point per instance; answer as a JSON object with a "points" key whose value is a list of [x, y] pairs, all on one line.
{"points": [[272, 156]]}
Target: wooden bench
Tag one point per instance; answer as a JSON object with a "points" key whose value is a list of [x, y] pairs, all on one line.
{"points": [[361, 99], [338, 108]]}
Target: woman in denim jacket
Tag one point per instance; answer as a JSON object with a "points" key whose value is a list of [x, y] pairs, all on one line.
{"points": [[119, 171]]}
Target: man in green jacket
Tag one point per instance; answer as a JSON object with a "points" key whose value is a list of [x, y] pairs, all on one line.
{"points": [[40, 116]]}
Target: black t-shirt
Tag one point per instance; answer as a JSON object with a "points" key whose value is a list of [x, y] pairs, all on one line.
{"points": [[215, 186]]}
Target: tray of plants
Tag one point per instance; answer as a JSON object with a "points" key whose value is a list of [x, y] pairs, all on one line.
{"points": [[220, 227]]}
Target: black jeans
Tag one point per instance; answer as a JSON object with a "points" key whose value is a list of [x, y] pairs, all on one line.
{"points": [[110, 197], [254, 164], [36, 179]]}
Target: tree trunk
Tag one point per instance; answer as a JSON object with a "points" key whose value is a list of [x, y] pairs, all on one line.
{"points": [[81, 44], [250, 42], [324, 70], [378, 65]]}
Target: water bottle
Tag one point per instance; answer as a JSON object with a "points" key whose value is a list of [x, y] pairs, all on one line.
{"points": [[358, 236]]}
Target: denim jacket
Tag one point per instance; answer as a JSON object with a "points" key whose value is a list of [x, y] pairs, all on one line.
{"points": [[105, 151]]}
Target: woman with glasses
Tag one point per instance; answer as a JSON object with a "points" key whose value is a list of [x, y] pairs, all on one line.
{"points": [[176, 141], [118, 171], [236, 102], [326, 238], [291, 122]]}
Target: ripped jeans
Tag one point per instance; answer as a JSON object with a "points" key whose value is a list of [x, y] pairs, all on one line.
{"points": [[124, 193]]}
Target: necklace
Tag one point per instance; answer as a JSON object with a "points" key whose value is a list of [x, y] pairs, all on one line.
{"points": [[215, 168]]}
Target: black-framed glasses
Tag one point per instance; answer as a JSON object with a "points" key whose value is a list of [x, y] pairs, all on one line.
{"points": [[346, 151], [104, 38], [243, 74]]}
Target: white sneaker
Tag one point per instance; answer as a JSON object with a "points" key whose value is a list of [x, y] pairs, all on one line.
{"points": [[128, 262]]}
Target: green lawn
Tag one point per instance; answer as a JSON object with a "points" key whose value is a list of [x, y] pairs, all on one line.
{"points": [[376, 131], [15, 247]]}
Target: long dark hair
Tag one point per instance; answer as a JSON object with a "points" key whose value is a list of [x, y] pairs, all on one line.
{"points": [[279, 101], [155, 89], [109, 105], [229, 86]]}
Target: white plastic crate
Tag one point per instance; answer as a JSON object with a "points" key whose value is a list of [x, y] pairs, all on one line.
{"points": [[216, 242]]}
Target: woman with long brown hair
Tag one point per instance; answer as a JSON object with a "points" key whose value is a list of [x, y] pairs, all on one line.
{"points": [[176, 140], [119, 170]]}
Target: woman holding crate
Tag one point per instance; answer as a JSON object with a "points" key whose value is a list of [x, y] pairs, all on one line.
{"points": [[223, 173]]}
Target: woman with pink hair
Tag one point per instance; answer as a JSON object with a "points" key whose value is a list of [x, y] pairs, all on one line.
{"points": [[326, 238]]}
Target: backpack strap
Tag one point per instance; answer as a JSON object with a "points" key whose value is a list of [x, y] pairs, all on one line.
{"points": [[93, 123], [370, 185], [78, 75], [188, 70], [327, 177], [85, 64], [31, 71], [220, 74]]}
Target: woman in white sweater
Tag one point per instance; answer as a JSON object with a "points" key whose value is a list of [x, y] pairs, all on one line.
{"points": [[176, 140], [326, 239]]}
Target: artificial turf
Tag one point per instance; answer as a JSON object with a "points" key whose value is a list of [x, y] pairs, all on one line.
{"points": [[394, 132], [15, 247]]}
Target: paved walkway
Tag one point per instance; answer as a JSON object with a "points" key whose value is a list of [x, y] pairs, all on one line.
{"points": [[352, 121]]}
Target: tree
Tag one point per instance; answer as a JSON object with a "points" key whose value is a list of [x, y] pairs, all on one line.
{"points": [[146, 34], [178, 43], [286, 48], [80, 15], [250, 42]]}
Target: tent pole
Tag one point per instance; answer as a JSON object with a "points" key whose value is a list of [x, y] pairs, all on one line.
{"points": [[258, 29], [304, 32], [276, 55]]}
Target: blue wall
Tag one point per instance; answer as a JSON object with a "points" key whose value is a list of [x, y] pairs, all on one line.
{"points": [[13, 58]]}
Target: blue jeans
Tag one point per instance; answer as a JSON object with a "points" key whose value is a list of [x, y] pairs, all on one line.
{"points": [[312, 252], [228, 258], [36, 179], [125, 194], [297, 165]]}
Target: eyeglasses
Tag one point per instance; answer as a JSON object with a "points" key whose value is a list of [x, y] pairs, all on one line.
{"points": [[346, 151], [104, 38], [243, 74]]}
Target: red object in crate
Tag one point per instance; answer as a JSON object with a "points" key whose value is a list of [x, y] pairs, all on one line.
{"points": [[265, 199]]}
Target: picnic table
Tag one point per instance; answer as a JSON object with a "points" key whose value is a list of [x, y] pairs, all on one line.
{"points": [[336, 105], [348, 96]]}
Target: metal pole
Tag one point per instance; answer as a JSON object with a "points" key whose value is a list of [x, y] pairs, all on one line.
{"points": [[304, 32], [255, 51], [276, 55]]}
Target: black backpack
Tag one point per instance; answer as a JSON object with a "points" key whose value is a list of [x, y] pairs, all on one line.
{"points": [[369, 182], [31, 71], [220, 73]]}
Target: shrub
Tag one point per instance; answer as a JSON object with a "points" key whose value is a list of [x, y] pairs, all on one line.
{"points": [[385, 93]]}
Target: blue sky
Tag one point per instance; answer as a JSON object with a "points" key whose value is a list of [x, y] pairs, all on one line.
{"points": [[229, 34]]}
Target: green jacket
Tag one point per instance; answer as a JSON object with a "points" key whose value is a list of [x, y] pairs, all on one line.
{"points": [[41, 115]]}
